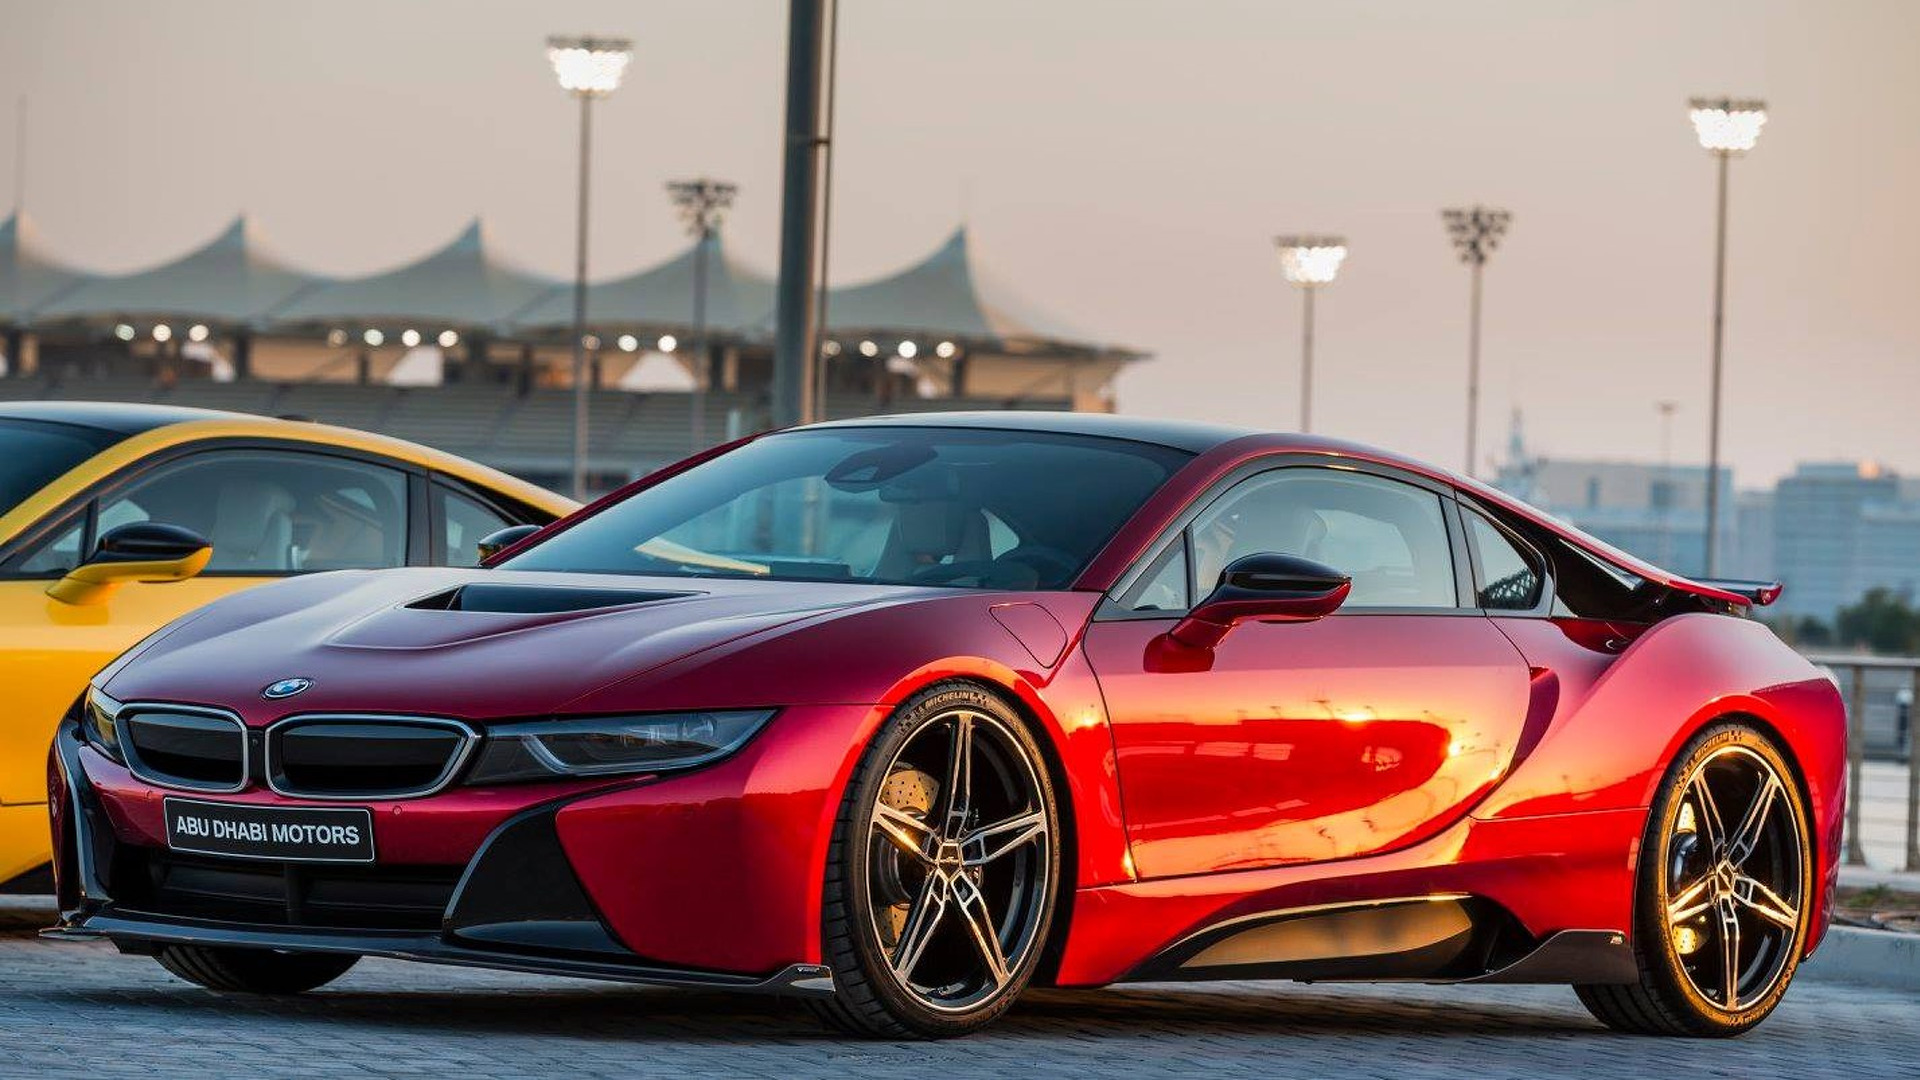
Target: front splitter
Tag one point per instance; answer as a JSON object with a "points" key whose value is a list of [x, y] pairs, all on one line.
{"points": [[136, 927]]}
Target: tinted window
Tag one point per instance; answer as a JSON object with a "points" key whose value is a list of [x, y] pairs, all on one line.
{"points": [[34, 454], [1510, 578], [1391, 537], [463, 523], [59, 552], [1164, 586], [936, 506], [273, 512]]}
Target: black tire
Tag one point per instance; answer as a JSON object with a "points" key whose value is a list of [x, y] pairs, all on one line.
{"points": [[870, 999], [254, 971], [1668, 998]]}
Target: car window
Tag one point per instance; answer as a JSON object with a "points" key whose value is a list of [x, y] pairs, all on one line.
{"points": [[1510, 578], [59, 552], [275, 512], [1389, 536], [905, 505], [464, 522], [1164, 586], [34, 453]]}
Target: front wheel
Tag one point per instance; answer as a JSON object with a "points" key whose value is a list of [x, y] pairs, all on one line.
{"points": [[943, 871], [254, 971], [1723, 894]]}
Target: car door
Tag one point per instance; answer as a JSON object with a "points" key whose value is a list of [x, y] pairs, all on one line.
{"points": [[268, 513], [1293, 742]]}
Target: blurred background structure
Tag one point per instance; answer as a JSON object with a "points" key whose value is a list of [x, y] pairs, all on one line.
{"points": [[1121, 160], [465, 349]]}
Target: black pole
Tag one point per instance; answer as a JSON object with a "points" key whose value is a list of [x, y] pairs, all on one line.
{"points": [[816, 404], [794, 341]]}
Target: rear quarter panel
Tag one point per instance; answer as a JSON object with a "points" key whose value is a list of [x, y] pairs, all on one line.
{"points": [[1620, 721]]}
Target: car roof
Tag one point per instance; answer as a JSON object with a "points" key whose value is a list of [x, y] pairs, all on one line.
{"points": [[1198, 438], [142, 429], [121, 418], [1189, 435]]}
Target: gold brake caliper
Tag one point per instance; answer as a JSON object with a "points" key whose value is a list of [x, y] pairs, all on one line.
{"points": [[911, 791]]}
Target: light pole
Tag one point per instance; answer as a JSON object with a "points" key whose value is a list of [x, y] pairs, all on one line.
{"points": [[1726, 127], [702, 204], [1309, 262], [588, 68], [1476, 231]]}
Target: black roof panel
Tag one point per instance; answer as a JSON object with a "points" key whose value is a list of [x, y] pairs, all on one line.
{"points": [[119, 417], [1192, 436]]}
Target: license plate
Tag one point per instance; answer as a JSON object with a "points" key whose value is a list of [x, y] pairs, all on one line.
{"points": [[284, 833]]}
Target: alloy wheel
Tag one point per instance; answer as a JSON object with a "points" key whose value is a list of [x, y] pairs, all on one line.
{"points": [[1733, 878], [958, 873]]}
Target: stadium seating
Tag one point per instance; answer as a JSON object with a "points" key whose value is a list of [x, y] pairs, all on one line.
{"points": [[631, 433]]}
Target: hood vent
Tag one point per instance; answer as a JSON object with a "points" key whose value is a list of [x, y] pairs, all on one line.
{"points": [[537, 599]]}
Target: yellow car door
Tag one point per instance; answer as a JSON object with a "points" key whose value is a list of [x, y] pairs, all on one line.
{"points": [[56, 647], [268, 512]]}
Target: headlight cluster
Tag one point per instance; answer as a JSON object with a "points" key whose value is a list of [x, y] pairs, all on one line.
{"points": [[599, 746], [98, 715]]}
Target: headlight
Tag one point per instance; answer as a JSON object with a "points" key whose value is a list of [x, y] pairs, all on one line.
{"points": [[598, 746], [98, 715]]}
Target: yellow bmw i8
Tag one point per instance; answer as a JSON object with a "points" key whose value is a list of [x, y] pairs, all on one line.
{"points": [[116, 519]]}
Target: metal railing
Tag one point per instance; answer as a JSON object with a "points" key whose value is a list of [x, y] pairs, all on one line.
{"points": [[1880, 727]]}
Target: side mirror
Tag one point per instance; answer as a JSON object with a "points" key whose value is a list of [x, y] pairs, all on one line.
{"points": [[501, 539], [1264, 588], [143, 551]]}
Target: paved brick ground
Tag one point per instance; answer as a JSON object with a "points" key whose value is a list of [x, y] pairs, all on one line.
{"points": [[84, 1010]]}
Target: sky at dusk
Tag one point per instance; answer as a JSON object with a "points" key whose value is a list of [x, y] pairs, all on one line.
{"points": [[1122, 164]]}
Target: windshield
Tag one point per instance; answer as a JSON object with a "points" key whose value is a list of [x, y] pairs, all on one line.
{"points": [[920, 506], [34, 453]]}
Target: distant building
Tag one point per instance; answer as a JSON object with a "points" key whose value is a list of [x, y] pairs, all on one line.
{"points": [[1840, 529], [465, 350], [1657, 512], [1831, 531]]}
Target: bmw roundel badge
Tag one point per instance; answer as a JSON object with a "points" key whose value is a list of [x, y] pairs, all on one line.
{"points": [[285, 688]]}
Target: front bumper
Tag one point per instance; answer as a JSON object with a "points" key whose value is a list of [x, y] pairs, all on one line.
{"points": [[136, 931], [515, 898]]}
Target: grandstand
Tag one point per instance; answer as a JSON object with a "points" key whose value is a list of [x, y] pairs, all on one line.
{"points": [[529, 435], [466, 351]]}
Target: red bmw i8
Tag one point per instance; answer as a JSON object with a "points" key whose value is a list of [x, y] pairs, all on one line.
{"points": [[905, 715]]}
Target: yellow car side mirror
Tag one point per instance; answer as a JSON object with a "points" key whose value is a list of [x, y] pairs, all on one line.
{"points": [[144, 551]]}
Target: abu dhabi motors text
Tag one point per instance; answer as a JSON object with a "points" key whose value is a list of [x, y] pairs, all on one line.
{"points": [[262, 832]]}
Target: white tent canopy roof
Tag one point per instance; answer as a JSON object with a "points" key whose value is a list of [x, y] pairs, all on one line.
{"points": [[231, 279], [944, 294], [739, 299], [28, 277], [467, 286], [464, 284]]}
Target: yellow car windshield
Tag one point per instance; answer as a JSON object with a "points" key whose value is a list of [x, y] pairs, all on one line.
{"points": [[33, 453]]}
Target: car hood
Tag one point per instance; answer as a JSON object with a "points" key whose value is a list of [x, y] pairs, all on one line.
{"points": [[465, 643]]}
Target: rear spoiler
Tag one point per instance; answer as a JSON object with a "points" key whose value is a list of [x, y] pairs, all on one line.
{"points": [[1758, 593]]}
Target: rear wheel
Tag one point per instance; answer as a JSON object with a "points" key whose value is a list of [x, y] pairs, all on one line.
{"points": [[1724, 887], [942, 875], [254, 971]]}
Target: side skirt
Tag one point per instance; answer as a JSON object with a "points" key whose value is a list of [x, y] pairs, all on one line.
{"points": [[1451, 938]]}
